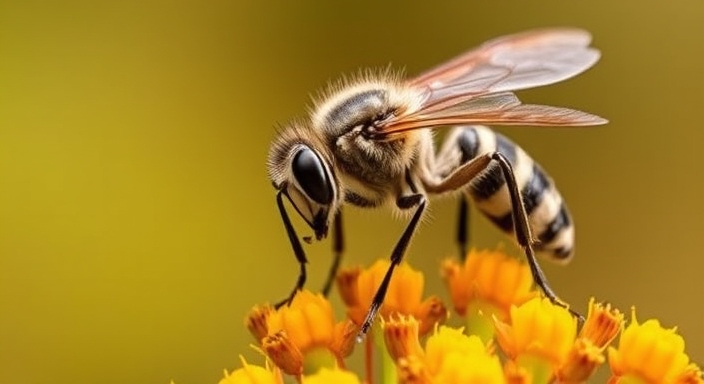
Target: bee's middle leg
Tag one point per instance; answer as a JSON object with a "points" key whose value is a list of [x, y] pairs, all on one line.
{"points": [[418, 201]]}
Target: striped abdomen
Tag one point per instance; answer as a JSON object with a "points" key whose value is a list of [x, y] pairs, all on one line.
{"points": [[549, 218]]}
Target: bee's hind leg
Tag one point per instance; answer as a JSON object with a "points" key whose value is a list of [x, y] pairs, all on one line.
{"points": [[460, 176], [523, 233]]}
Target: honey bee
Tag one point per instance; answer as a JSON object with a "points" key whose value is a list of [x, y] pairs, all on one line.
{"points": [[368, 142]]}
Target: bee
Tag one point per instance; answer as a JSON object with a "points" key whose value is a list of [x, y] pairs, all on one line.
{"points": [[368, 142]]}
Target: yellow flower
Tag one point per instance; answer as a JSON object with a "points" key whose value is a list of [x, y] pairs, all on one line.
{"points": [[404, 297], [539, 338], [538, 328], [649, 353], [543, 343], [329, 376], [448, 351], [449, 356], [302, 334], [490, 279], [252, 374]]}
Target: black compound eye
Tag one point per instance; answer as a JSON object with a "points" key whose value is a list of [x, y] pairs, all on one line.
{"points": [[310, 173]]}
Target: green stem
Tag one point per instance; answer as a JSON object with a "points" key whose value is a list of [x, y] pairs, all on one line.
{"points": [[539, 368], [318, 358], [369, 359], [479, 320], [388, 366]]}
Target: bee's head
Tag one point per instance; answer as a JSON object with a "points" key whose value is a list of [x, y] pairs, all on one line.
{"points": [[299, 171]]}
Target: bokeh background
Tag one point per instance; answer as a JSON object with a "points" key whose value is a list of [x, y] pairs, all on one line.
{"points": [[137, 224]]}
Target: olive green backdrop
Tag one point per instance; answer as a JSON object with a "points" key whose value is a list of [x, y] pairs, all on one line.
{"points": [[137, 224]]}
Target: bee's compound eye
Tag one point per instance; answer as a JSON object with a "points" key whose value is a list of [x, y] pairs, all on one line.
{"points": [[310, 173]]}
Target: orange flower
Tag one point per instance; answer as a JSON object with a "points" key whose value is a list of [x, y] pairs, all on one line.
{"points": [[486, 286], [649, 353], [581, 362], [302, 334], [401, 337], [286, 355], [602, 325], [599, 330], [491, 277], [404, 296], [540, 340], [256, 321]]}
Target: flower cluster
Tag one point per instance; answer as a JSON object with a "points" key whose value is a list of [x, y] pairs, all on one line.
{"points": [[508, 334]]}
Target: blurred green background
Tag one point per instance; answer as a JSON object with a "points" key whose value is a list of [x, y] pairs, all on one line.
{"points": [[137, 224]]}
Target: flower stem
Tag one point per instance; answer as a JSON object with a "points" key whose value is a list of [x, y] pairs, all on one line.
{"points": [[479, 321], [318, 358], [388, 366], [539, 368], [369, 359], [388, 369]]}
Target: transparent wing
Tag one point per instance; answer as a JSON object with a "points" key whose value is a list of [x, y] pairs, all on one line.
{"points": [[476, 87], [509, 63], [497, 109]]}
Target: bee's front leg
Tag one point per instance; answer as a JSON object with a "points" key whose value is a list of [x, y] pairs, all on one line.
{"points": [[338, 246], [297, 251]]}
